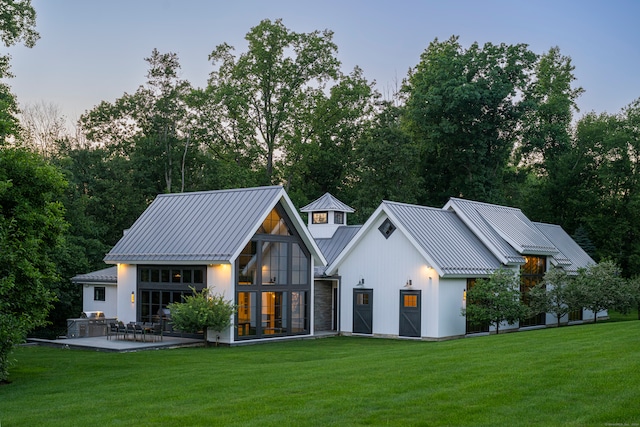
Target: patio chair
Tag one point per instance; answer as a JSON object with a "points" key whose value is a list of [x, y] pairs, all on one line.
{"points": [[156, 329], [113, 330], [139, 330], [130, 328]]}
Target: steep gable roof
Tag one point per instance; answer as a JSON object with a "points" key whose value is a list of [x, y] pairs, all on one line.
{"points": [[506, 231], [327, 203], [445, 242], [203, 227], [573, 256]]}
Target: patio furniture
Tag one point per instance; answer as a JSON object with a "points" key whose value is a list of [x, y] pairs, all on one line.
{"points": [[113, 330]]}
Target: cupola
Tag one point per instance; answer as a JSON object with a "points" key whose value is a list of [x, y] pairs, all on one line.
{"points": [[326, 215]]}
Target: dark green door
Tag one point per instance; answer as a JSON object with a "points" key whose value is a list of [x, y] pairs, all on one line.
{"points": [[410, 318], [363, 311]]}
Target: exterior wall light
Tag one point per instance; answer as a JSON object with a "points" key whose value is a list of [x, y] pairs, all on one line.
{"points": [[360, 283], [133, 297], [409, 283]]}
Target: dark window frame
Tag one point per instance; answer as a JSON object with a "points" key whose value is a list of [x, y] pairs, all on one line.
{"points": [[387, 228], [99, 293], [285, 288]]}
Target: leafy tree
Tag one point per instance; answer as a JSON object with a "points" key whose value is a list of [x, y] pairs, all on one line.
{"points": [[150, 128], [602, 287], [202, 311], [31, 229], [320, 156], [257, 99], [464, 107], [495, 300], [17, 24], [548, 122], [387, 163], [553, 294]]}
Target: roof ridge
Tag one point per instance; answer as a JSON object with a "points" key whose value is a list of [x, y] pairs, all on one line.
{"points": [[226, 190], [412, 205], [475, 202]]}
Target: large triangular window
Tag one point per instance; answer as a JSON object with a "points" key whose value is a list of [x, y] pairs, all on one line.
{"points": [[274, 224]]}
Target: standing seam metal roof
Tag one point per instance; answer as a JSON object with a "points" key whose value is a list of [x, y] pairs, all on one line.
{"points": [[199, 226], [327, 203], [106, 275], [573, 256], [331, 247], [445, 238], [503, 228]]}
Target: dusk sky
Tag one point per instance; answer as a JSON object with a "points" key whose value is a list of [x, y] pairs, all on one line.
{"points": [[94, 50]]}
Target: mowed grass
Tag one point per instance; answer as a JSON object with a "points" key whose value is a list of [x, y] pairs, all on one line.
{"points": [[586, 375]]}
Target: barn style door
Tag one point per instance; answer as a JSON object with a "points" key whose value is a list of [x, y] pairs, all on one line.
{"points": [[410, 313], [362, 311]]}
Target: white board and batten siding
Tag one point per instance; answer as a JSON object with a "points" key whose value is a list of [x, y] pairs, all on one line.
{"points": [[386, 265]]}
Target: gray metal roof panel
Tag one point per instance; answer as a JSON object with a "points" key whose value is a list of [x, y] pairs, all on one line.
{"points": [[327, 203], [202, 226], [572, 256], [470, 212], [445, 238], [106, 275], [332, 247]]}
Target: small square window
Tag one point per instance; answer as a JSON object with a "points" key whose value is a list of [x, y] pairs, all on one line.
{"points": [[320, 218], [338, 217], [99, 293], [387, 228]]}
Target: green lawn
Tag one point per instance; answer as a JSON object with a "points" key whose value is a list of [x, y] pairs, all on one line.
{"points": [[579, 375]]}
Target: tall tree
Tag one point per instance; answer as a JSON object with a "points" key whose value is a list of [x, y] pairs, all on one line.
{"points": [[151, 125], [257, 97], [552, 99], [387, 164], [17, 25], [464, 106], [319, 157], [31, 229]]}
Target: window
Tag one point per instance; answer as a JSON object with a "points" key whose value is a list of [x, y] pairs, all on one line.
{"points": [[410, 300], [299, 312], [99, 293], [319, 218], [246, 314], [387, 228], [338, 217], [158, 286], [274, 263], [273, 274], [532, 273], [299, 266], [274, 313]]}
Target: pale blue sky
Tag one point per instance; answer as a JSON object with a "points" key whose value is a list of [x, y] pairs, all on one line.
{"points": [[94, 50]]}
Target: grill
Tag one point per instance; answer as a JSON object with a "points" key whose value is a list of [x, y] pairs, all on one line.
{"points": [[90, 324], [92, 315], [164, 317]]}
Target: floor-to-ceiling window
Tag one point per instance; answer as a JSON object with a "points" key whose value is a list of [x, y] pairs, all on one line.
{"points": [[532, 273], [273, 282], [159, 286]]}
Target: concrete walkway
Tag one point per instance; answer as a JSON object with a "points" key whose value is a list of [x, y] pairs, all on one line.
{"points": [[117, 345]]}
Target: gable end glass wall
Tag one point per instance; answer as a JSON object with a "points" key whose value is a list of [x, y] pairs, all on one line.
{"points": [[273, 282]]}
